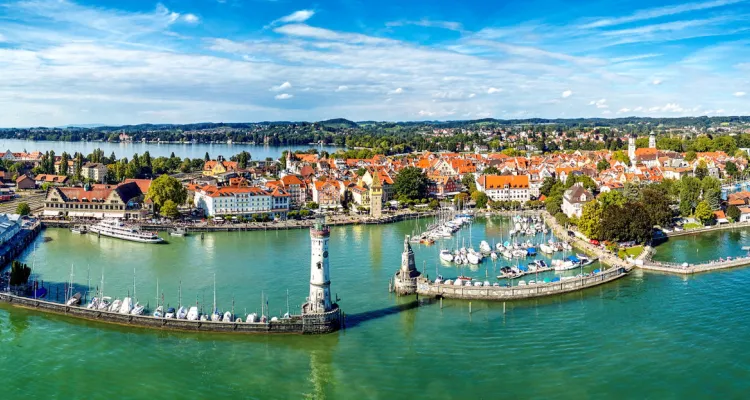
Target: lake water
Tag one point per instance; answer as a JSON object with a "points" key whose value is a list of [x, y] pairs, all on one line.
{"points": [[647, 335], [258, 152]]}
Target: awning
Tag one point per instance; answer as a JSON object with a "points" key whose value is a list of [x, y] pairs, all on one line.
{"points": [[51, 213]]}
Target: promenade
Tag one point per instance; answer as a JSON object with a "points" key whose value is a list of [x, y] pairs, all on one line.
{"points": [[647, 263]]}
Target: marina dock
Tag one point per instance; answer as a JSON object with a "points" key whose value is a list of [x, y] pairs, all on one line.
{"points": [[646, 262]]}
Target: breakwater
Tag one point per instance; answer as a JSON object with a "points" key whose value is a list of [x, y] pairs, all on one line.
{"points": [[426, 288], [297, 324], [685, 268]]}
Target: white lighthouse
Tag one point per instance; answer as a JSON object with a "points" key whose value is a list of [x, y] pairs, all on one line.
{"points": [[320, 282]]}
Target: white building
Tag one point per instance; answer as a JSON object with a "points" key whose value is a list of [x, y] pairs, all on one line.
{"points": [[574, 199], [505, 187], [236, 201], [94, 171]]}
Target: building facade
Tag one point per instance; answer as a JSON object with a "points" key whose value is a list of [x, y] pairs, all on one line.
{"points": [[505, 187], [97, 172], [244, 201], [125, 201]]}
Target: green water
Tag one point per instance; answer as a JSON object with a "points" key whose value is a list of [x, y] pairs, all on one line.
{"points": [[705, 247], [648, 335]]}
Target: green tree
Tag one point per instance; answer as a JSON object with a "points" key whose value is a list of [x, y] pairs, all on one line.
{"points": [[311, 205], [23, 209], [612, 198], [491, 170], [591, 218], [19, 273], [553, 204], [547, 185], [480, 198], [690, 156], [690, 189], [411, 182], [656, 205], [701, 170], [602, 165], [461, 199], [434, 204], [703, 212], [64, 158], [731, 169], [621, 156], [711, 188], [734, 213], [468, 181], [166, 188], [169, 210], [206, 157]]}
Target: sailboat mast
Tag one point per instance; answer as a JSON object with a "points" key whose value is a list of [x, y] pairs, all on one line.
{"points": [[180, 294], [214, 310]]}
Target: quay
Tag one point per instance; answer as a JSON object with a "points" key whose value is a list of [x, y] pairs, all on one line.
{"points": [[257, 226], [688, 232], [15, 246], [645, 262], [306, 324]]}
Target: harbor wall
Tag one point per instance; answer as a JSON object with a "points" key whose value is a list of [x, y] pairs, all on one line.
{"points": [[426, 288], [297, 324], [16, 245]]}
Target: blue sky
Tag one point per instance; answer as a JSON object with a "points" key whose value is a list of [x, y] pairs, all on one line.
{"points": [[124, 62]]}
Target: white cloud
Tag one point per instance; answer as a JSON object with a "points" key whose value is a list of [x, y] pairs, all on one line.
{"points": [[283, 96], [342, 88], [739, 94], [601, 103], [472, 95], [623, 110], [637, 109], [283, 86], [297, 16], [567, 94], [425, 113], [656, 82], [652, 13], [493, 90], [453, 26], [396, 91], [191, 18]]}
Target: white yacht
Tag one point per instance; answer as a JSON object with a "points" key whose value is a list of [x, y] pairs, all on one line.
{"points": [[446, 255], [193, 314], [116, 229], [127, 306]]}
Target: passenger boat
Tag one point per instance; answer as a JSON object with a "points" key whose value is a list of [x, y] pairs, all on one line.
{"points": [[116, 229]]}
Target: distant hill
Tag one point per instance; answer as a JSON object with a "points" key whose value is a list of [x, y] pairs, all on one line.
{"points": [[338, 123]]}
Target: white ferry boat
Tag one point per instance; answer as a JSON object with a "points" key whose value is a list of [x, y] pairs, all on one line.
{"points": [[116, 229]]}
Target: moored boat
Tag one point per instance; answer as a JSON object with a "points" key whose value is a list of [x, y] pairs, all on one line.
{"points": [[116, 229]]}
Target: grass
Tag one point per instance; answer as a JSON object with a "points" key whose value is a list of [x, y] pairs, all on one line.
{"points": [[634, 251], [692, 225]]}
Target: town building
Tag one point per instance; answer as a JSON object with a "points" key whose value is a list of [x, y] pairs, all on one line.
{"points": [[9, 227], [218, 167], [96, 172], [505, 187], [24, 182], [574, 199], [327, 194], [241, 201], [54, 180], [126, 200]]}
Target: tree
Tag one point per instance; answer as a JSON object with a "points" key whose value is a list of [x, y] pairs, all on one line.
{"points": [[621, 156], [242, 159], [690, 156], [468, 182], [612, 198], [701, 170], [590, 222], [656, 205], [166, 188], [411, 182], [703, 212], [205, 158], [491, 170], [553, 204], [311, 205], [602, 165], [480, 198], [19, 273], [169, 209], [64, 158], [690, 189], [547, 185], [23, 209], [711, 192], [734, 213], [628, 222], [434, 204], [631, 191], [461, 199], [731, 169]]}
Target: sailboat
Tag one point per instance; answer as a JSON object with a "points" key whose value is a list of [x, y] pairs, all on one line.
{"points": [[159, 312], [215, 316], [137, 308], [181, 311]]}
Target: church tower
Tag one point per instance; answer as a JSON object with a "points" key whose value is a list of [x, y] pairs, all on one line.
{"points": [[652, 140], [320, 282], [631, 149], [376, 195]]}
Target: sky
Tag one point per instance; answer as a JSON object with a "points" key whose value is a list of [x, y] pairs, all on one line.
{"points": [[182, 61]]}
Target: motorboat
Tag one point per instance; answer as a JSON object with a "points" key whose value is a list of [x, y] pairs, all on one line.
{"points": [[104, 303], [473, 258], [171, 314], [193, 314], [179, 232], [115, 307], [545, 248], [159, 313], [74, 300], [127, 306], [541, 264], [566, 246], [216, 316], [79, 229], [227, 317], [251, 318], [204, 317], [138, 309], [493, 256], [93, 304], [585, 260], [484, 247], [181, 313], [117, 229], [446, 255]]}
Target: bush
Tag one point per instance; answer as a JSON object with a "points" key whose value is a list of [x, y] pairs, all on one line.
{"points": [[23, 209]]}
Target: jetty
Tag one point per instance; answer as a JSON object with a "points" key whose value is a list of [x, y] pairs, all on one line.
{"points": [[319, 315], [409, 281], [646, 262]]}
